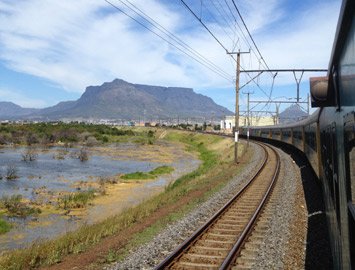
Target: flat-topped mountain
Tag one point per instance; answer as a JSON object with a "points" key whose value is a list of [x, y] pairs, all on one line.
{"points": [[122, 100]]}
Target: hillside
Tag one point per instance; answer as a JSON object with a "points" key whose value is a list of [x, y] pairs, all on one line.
{"points": [[122, 100], [9, 110]]}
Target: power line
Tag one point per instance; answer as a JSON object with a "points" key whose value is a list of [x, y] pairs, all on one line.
{"points": [[224, 11], [223, 17], [160, 36], [240, 29], [240, 15], [241, 32], [203, 24], [172, 36]]}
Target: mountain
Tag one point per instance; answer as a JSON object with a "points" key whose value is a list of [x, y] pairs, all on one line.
{"points": [[122, 100], [9, 110], [292, 114]]}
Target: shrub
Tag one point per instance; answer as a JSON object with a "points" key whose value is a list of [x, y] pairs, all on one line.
{"points": [[60, 154], [83, 155], [105, 139], [16, 207], [4, 226], [91, 141], [31, 139], [107, 180], [3, 139], [150, 133], [11, 172], [30, 154]]}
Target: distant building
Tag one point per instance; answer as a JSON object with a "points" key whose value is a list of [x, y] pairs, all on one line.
{"points": [[228, 123]]}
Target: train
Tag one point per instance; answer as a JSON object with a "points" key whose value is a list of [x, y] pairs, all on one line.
{"points": [[327, 138]]}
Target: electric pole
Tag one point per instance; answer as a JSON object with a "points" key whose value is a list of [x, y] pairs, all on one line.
{"points": [[236, 120], [277, 121], [248, 114]]}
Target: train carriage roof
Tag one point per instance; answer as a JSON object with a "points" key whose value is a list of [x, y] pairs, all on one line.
{"points": [[309, 120]]}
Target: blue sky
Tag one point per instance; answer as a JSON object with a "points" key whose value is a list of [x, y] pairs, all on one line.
{"points": [[50, 51]]}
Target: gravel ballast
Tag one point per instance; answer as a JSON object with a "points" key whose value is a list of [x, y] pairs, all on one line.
{"points": [[276, 252]]}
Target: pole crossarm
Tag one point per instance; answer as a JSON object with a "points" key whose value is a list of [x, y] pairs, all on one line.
{"points": [[271, 112], [237, 52], [284, 70], [265, 101], [252, 79]]}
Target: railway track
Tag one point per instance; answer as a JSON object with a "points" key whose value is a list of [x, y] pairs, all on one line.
{"points": [[217, 244]]}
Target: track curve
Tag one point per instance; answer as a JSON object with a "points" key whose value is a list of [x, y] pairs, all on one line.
{"points": [[217, 243]]}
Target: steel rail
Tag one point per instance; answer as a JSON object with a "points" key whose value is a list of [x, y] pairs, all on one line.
{"points": [[194, 237], [235, 251]]}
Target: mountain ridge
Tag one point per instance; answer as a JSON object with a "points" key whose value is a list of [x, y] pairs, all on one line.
{"points": [[127, 101]]}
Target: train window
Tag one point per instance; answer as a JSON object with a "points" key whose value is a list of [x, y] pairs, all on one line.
{"points": [[265, 133], [297, 134], [310, 136], [335, 170], [349, 146], [286, 133], [349, 140], [329, 159]]}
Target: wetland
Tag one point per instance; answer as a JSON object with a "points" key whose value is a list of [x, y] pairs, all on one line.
{"points": [[117, 212], [58, 191]]}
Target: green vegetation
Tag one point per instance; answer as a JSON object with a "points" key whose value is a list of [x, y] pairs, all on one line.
{"points": [[88, 134], [16, 207], [216, 169], [162, 170], [76, 200], [137, 176], [148, 175], [4, 226]]}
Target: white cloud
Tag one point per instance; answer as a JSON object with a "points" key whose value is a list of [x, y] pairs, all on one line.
{"points": [[86, 42], [20, 99]]}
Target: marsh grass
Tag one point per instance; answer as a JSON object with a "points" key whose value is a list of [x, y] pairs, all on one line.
{"points": [[148, 175], [162, 170], [4, 226], [76, 199], [16, 207], [209, 176], [107, 180]]}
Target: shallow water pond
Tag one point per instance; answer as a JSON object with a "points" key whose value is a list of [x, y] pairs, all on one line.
{"points": [[59, 174], [53, 175]]}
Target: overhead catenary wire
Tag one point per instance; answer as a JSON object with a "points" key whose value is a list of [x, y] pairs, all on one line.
{"points": [[224, 19], [157, 25], [251, 37], [219, 42], [241, 30], [177, 47], [169, 42], [230, 18], [204, 25]]}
